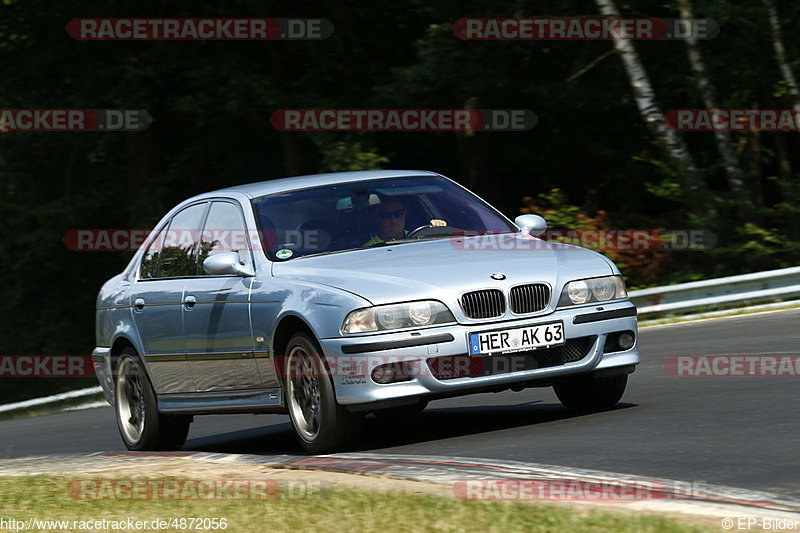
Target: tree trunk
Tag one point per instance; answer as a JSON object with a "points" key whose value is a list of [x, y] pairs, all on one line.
{"points": [[755, 155], [144, 174], [290, 147], [780, 53], [291, 153], [751, 156], [469, 151], [645, 100], [784, 163], [709, 95]]}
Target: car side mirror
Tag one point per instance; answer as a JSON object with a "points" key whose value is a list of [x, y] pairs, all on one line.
{"points": [[226, 263], [531, 224]]}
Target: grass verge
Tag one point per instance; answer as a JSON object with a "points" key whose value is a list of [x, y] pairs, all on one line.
{"points": [[47, 497]]}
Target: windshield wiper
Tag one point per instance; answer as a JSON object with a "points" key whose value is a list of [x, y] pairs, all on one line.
{"points": [[389, 243], [404, 241]]}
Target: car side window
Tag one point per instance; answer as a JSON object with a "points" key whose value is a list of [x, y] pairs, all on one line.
{"points": [[149, 266], [224, 231], [177, 254]]}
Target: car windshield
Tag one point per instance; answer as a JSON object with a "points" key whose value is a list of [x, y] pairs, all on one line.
{"points": [[363, 214]]}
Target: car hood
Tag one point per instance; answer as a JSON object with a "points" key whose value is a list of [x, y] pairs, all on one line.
{"points": [[446, 267]]}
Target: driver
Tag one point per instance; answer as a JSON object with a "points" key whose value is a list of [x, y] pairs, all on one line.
{"points": [[390, 221]]}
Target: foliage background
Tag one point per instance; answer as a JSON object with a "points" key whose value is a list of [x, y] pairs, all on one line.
{"points": [[211, 103]]}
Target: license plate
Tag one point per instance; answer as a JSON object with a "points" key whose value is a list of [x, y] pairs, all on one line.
{"points": [[516, 339]]}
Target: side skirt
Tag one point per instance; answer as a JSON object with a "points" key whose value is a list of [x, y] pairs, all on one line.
{"points": [[217, 402]]}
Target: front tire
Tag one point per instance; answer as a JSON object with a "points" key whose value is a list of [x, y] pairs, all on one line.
{"points": [[321, 424], [586, 394], [140, 425]]}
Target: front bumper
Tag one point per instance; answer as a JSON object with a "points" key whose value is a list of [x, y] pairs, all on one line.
{"points": [[352, 359]]}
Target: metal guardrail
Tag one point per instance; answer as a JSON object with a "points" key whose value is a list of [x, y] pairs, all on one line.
{"points": [[56, 398], [711, 294]]}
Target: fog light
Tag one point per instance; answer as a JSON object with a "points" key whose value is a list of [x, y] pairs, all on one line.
{"points": [[619, 341], [389, 373], [625, 340]]}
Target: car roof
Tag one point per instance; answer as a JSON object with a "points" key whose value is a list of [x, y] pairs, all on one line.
{"points": [[262, 188]]}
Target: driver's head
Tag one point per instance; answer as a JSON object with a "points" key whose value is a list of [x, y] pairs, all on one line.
{"points": [[391, 215]]}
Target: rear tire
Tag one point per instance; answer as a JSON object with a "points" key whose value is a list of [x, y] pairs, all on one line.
{"points": [[587, 393], [320, 423], [140, 425]]}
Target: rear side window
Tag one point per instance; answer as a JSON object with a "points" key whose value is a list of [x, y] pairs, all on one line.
{"points": [[224, 231], [149, 266], [177, 247]]}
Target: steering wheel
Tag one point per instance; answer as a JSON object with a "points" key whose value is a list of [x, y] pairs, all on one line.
{"points": [[411, 234], [429, 230]]}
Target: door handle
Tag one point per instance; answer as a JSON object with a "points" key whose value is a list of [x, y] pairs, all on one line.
{"points": [[138, 304], [189, 302]]}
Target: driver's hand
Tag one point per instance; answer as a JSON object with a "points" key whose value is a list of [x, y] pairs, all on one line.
{"points": [[438, 222]]}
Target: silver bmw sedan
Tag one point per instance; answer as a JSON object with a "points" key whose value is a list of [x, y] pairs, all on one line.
{"points": [[332, 296]]}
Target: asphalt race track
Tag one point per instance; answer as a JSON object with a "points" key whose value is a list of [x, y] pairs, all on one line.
{"points": [[737, 431]]}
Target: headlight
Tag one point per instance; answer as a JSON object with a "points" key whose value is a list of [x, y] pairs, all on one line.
{"points": [[397, 316], [420, 313], [578, 292], [593, 290]]}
